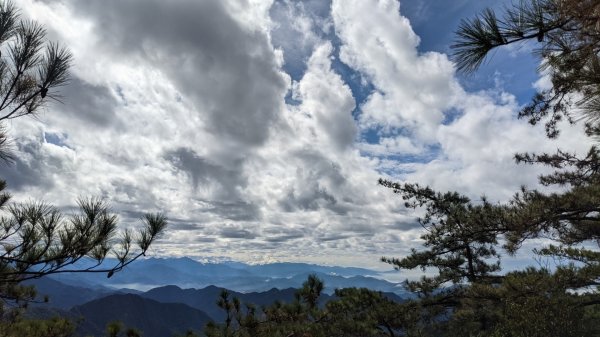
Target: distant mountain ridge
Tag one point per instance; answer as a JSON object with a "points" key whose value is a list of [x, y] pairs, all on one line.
{"points": [[163, 296], [64, 296], [153, 318], [162, 311], [188, 273], [206, 299]]}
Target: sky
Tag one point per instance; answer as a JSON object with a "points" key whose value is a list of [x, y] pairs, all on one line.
{"points": [[261, 127]]}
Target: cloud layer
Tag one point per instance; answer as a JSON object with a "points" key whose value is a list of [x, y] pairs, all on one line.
{"points": [[261, 127]]}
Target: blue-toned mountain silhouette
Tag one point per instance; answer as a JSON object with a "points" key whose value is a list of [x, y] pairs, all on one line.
{"points": [[153, 318], [93, 300], [187, 273]]}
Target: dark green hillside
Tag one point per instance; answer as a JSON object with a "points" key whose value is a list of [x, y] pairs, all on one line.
{"points": [[64, 296], [153, 318], [206, 299]]}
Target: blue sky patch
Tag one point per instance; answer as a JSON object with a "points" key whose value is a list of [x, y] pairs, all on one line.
{"points": [[435, 22], [58, 139]]}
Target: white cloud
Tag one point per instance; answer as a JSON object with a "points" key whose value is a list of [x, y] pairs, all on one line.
{"points": [[327, 99], [416, 93], [412, 90], [180, 106]]}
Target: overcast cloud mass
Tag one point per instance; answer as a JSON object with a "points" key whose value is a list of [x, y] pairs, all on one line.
{"points": [[261, 127]]}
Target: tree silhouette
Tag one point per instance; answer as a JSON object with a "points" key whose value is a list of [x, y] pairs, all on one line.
{"points": [[566, 32], [464, 241], [36, 239]]}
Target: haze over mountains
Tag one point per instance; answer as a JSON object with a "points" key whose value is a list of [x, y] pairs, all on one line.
{"points": [[163, 297], [153, 318], [188, 273]]}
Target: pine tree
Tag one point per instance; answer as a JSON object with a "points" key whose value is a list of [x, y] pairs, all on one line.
{"points": [[464, 241], [352, 313], [36, 239], [566, 33]]}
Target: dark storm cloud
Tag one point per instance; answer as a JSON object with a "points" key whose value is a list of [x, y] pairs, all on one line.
{"points": [[228, 71]]}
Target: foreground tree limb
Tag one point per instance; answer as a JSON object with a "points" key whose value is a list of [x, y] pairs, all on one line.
{"points": [[37, 239]]}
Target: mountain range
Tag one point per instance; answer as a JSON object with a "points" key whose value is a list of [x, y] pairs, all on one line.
{"points": [[174, 307], [188, 273], [153, 318]]}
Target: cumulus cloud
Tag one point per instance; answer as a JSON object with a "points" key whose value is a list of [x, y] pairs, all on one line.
{"points": [[229, 72], [419, 109], [298, 26], [412, 90], [327, 99], [241, 120]]}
